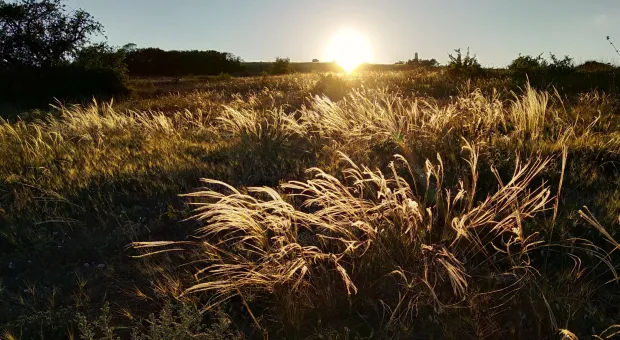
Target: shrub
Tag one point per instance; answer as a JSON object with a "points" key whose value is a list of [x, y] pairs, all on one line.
{"points": [[527, 64], [281, 66], [533, 67], [467, 65], [564, 65], [37, 87], [181, 321]]}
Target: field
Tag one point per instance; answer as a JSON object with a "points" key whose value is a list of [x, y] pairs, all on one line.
{"points": [[379, 205]]}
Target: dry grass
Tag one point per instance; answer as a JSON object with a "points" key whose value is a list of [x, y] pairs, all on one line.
{"points": [[471, 229], [351, 233]]}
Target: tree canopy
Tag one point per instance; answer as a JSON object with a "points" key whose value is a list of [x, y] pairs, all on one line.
{"points": [[42, 33]]}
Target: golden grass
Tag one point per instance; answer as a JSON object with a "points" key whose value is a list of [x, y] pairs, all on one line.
{"points": [[402, 238], [348, 231], [261, 242]]}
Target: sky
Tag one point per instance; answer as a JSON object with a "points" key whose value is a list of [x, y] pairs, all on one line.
{"points": [[261, 30]]}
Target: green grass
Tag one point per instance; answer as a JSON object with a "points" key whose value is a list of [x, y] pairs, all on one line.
{"points": [[308, 225]]}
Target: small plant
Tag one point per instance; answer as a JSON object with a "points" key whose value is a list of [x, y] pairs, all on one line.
{"points": [[467, 65], [186, 322], [281, 66], [101, 328]]}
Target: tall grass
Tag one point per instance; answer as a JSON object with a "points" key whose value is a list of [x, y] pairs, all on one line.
{"points": [[474, 228], [325, 241], [403, 240]]}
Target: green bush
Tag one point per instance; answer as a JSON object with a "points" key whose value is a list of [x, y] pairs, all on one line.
{"points": [[467, 66], [527, 64], [534, 67], [281, 66]]}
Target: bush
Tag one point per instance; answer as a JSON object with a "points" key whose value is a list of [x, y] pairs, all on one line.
{"points": [[533, 67], [37, 87], [527, 64], [281, 66], [467, 66], [564, 65]]}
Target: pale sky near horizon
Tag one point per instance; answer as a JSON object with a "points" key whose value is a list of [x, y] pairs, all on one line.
{"points": [[496, 30]]}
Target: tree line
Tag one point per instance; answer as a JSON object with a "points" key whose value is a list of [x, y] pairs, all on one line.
{"points": [[47, 51]]}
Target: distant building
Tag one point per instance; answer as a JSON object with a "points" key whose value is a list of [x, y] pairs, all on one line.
{"points": [[315, 60], [416, 56]]}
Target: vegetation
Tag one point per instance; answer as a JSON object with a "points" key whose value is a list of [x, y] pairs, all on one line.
{"points": [[42, 33], [157, 62], [394, 204], [422, 63], [467, 66], [281, 66], [528, 65], [46, 54]]}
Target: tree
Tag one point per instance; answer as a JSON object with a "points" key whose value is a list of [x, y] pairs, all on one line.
{"points": [[42, 33], [102, 56]]}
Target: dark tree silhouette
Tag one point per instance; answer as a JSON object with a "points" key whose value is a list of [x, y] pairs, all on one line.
{"points": [[157, 62], [42, 33]]}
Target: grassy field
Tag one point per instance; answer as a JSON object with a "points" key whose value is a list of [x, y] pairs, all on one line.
{"points": [[381, 205]]}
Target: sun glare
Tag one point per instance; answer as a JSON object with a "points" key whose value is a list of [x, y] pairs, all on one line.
{"points": [[349, 49]]}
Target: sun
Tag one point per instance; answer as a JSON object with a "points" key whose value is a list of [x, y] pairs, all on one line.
{"points": [[349, 49]]}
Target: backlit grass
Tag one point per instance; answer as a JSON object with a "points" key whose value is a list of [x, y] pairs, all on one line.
{"points": [[381, 205]]}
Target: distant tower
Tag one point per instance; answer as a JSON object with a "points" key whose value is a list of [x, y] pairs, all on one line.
{"points": [[416, 56]]}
